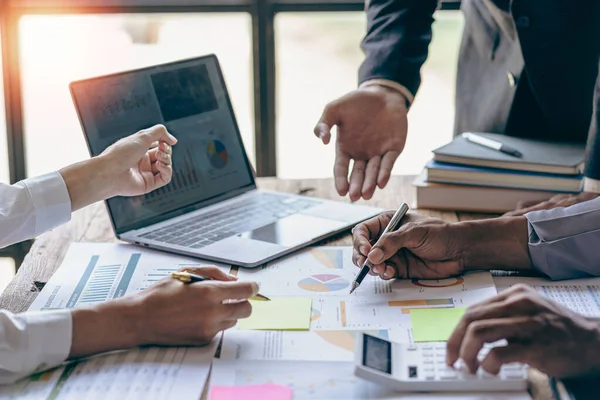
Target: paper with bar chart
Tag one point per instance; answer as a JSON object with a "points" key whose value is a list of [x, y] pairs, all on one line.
{"points": [[95, 272]]}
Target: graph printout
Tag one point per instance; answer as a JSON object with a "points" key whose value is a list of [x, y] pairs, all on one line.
{"points": [[95, 272]]}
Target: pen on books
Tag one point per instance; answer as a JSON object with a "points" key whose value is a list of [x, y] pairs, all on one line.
{"points": [[391, 226], [186, 277], [492, 144]]}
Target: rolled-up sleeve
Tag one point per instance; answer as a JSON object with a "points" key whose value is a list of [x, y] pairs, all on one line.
{"points": [[33, 341], [564, 243], [32, 207]]}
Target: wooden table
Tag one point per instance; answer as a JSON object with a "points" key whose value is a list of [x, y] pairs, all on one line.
{"points": [[92, 225]]}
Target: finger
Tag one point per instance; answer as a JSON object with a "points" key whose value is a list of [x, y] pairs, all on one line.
{"points": [[491, 330], [157, 133], [389, 273], [239, 310], [152, 154], [371, 173], [211, 272], [357, 177], [389, 244], [164, 175], [162, 156], [498, 356], [329, 118], [165, 148], [357, 258], [385, 170], [368, 232], [378, 269], [340, 171], [507, 304], [234, 290]]}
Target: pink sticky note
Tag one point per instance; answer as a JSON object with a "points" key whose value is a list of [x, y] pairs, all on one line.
{"points": [[254, 392]]}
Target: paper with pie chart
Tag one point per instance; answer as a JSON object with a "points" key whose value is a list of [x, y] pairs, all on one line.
{"points": [[319, 271], [324, 274]]}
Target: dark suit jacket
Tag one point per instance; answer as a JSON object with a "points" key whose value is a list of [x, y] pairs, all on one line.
{"points": [[552, 65]]}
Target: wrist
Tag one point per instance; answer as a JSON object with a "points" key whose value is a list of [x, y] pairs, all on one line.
{"points": [[87, 182], [498, 243], [399, 97], [90, 326]]}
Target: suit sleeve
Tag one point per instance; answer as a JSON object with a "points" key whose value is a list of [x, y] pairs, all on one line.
{"points": [[592, 162], [564, 242], [397, 41]]}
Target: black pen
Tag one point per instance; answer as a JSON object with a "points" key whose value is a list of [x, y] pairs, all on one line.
{"points": [[391, 226], [186, 277], [492, 144]]}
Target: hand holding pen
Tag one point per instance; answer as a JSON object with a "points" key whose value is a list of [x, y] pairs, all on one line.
{"points": [[392, 225]]}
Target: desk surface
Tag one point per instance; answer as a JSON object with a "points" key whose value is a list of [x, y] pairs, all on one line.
{"points": [[92, 225]]}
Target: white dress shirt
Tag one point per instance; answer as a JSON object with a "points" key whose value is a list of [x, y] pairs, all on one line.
{"points": [[33, 341]]}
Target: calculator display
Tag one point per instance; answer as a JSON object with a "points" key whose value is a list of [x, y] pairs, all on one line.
{"points": [[377, 354]]}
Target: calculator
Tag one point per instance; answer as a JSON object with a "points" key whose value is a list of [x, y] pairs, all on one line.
{"points": [[421, 367]]}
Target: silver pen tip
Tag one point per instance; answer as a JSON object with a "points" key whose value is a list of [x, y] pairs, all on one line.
{"points": [[354, 286]]}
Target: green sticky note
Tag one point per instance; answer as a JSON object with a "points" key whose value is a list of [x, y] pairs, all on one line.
{"points": [[282, 314], [434, 324]]}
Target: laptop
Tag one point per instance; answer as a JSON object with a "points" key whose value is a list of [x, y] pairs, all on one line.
{"points": [[212, 208]]}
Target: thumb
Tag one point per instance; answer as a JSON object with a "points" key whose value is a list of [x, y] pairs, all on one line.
{"points": [[157, 133], [390, 243], [329, 118]]}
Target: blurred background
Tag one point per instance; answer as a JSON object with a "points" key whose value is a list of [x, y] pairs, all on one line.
{"points": [[316, 59]]}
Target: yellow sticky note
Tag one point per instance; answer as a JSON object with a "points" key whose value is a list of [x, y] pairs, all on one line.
{"points": [[434, 324], [284, 313]]}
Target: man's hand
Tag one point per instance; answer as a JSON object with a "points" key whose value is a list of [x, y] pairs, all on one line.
{"points": [[140, 163], [169, 313], [372, 128], [560, 200], [539, 332], [422, 247], [429, 248]]}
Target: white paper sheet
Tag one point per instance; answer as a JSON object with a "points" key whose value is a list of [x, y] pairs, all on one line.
{"points": [[325, 380], [96, 272]]}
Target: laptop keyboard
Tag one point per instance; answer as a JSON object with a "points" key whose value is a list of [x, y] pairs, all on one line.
{"points": [[260, 210]]}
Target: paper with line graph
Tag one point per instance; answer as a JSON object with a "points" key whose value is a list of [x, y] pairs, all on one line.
{"points": [[95, 272]]}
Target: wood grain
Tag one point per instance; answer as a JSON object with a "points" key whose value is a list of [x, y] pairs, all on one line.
{"points": [[92, 225]]}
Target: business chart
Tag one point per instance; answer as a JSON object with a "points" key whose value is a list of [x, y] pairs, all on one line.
{"points": [[110, 272], [324, 283], [334, 345], [96, 272], [217, 154], [311, 380], [579, 295]]}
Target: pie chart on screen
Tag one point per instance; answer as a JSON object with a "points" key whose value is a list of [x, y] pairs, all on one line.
{"points": [[217, 154]]}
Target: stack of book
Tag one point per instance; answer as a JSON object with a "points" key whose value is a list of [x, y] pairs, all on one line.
{"points": [[466, 176]]}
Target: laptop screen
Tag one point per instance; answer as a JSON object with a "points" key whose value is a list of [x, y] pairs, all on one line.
{"points": [[190, 98]]}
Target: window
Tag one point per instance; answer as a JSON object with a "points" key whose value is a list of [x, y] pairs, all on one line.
{"points": [[318, 56], [56, 50]]}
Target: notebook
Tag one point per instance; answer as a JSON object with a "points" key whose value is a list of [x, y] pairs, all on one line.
{"points": [[492, 177], [538, 156]]}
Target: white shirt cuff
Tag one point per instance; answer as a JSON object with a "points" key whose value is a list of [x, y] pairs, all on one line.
{"points": [[51, 201], [391, 85], [50, 337], [591, 185]]}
